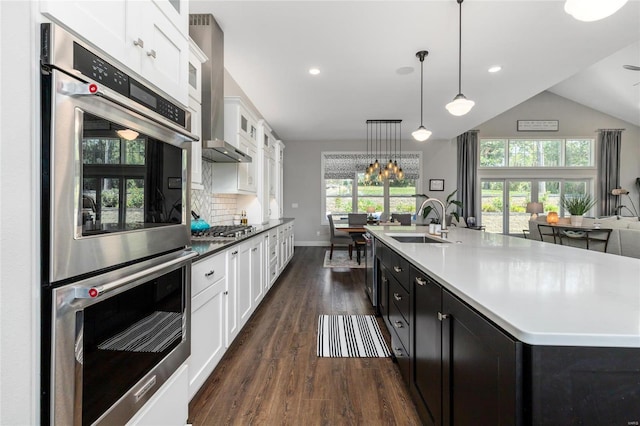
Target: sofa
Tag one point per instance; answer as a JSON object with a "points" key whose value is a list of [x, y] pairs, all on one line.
{"points": [[624, 239]]}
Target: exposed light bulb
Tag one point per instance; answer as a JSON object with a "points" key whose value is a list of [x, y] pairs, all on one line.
{"points": [[376, 165], [390, 164], [421, 134], [380, 177], [460, 105], [592, 10], [395, 167], [366, 176], [386, 173], [400, 174]]}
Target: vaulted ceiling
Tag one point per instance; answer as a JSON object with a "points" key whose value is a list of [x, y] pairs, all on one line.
{"points": [[366, 50]]}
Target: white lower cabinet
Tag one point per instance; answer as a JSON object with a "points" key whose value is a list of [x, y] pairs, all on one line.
{"points": [[226, 289], [169, 406], [233, 267], [208, 319], [257, 278], [245, 304]]}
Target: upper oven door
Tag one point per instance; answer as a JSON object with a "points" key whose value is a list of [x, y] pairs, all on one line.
{"points": [[118, 184]]}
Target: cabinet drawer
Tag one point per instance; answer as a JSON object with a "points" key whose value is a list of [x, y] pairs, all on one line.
{"points": [[398, 266], [402, 356], [399, 297], [206, 272], [273, 270], [399, 325]]}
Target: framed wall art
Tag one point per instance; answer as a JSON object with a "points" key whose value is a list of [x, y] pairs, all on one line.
{"points": [[436, 184]]}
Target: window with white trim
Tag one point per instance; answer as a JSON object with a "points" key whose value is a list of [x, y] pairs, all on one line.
{"points": [[345, 190], [515, 171]]}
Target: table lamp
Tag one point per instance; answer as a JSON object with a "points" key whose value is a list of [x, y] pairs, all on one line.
{"points": [[534, 209], [370, 211], [552, 217]]}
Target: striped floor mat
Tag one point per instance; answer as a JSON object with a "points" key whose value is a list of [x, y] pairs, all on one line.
{"points": [[345, 336]]}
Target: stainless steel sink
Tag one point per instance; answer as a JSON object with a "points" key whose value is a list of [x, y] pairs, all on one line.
{"points": [[416, 239]]}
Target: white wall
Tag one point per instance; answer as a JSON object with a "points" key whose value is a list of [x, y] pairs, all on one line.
{"points": [[19, 215], [576, 120], [303, 183]]}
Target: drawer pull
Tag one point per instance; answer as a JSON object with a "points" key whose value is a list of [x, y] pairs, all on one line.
{"points": [[234, 253], [139, 42], [397, 296], [398, 352], [254, 249], [442, 316], [397, 269], [398, 324], [225, 293], [421, 281], [211, 272], [151, 53]]}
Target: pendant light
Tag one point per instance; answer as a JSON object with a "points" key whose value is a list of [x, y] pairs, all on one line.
{"points": [[592, 10], [421, 134], [460, 104]]}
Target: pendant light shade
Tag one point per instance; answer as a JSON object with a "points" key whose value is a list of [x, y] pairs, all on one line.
{"points": [[421, 134], [592, 10], [460, 104]]}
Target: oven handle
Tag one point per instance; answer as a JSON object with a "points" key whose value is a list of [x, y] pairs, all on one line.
{"points": [[97, 291]]}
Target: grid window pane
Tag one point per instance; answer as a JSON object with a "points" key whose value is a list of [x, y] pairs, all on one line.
{"points": [[492, 194], [339, 196], [549, 195], [578, 153], [492, 153], [534, 153]]}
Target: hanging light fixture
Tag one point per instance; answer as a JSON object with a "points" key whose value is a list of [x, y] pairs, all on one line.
{"points": [[592, 10], [386, 143], [460, 104], [421, 134]]}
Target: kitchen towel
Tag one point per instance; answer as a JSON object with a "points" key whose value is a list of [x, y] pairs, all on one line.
{"points": [[346, 336]]}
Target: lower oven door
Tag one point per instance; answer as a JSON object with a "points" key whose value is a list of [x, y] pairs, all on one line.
{"points": [[117, 337]]}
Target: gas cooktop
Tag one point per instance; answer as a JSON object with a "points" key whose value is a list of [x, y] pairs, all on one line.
{"points": [[223, 233]]}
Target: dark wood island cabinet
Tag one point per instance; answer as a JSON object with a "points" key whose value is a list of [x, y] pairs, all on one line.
{"points": [[464, 369]]}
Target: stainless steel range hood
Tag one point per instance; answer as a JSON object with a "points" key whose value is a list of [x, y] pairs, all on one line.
{"points": [[208, 35]]}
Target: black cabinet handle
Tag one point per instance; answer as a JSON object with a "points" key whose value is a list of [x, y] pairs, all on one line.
{"points": [[397, 296], [421, 281], [211, 272]]}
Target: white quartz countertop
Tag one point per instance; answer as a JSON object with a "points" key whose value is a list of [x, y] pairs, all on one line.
{"points": [[541, 293]]}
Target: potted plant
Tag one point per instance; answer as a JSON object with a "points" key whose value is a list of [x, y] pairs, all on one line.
{"points": [[448, 203], [577, 206]]}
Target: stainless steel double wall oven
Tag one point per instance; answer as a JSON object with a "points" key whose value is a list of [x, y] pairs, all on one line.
{"points": [[115, 236]]}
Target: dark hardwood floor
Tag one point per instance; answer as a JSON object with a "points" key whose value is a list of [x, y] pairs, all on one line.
{"points": [[271, 375]]}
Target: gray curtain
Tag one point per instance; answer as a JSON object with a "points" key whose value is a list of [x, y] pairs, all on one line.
{"points": [[468, 173], [609, 141]]}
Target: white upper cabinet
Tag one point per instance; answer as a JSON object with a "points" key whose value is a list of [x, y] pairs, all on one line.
{"points": [[240, 126], [196, 59], [149, 38]]}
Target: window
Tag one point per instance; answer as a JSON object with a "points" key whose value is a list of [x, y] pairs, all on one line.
{"points": [[527, 153], [514, 172], [345, 190]]}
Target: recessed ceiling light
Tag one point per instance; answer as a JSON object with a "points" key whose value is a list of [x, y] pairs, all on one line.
{"points": [[404, 70], [495, 68], [314, 71]]}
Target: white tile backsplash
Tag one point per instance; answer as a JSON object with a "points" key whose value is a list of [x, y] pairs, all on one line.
{"points": [[216, 209]]}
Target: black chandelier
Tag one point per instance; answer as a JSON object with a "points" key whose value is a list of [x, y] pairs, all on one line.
{"points": [[383, 139]]}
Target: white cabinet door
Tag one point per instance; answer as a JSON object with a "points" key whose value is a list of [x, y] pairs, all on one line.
{"points": [[257, 277], [245, 305], [233, 327], [196, 147], [165, 55], [208, 324], [101, 23], [247, 171], [169, 406]]}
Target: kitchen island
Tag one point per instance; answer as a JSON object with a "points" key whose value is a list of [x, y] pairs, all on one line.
{"points": [[532, 332]]}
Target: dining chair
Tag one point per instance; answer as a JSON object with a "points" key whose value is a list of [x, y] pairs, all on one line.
{"points": [[403, 218], [339, 238]]}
